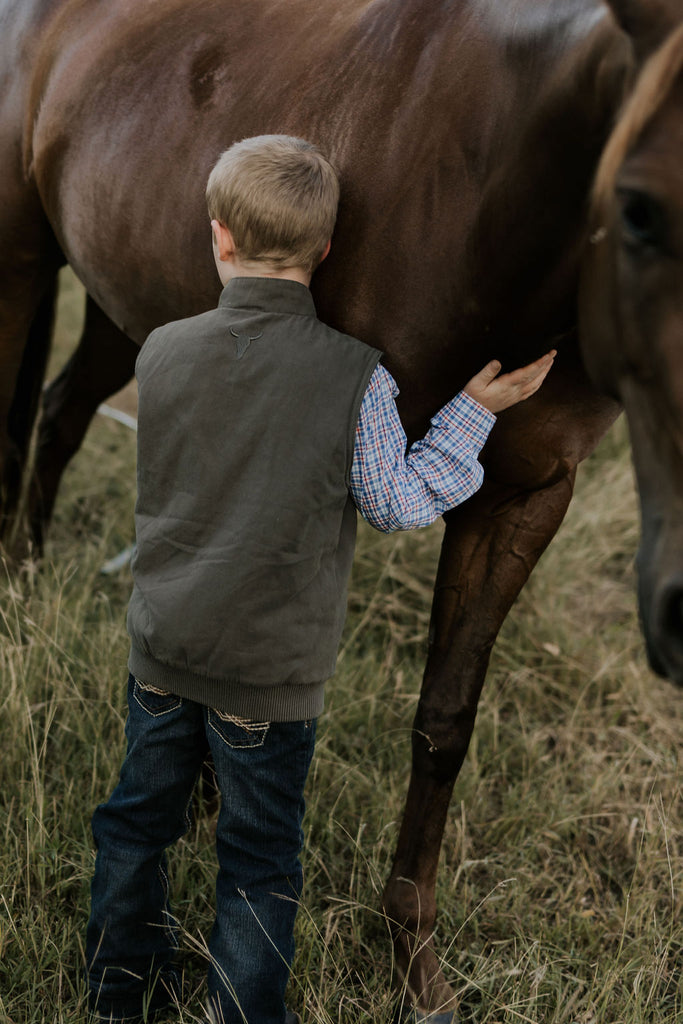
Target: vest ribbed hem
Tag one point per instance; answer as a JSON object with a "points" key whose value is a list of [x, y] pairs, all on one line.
{"points": [[279, 702]]}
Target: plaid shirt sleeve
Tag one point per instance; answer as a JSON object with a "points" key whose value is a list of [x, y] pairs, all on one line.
{"points": [[398, 490]]}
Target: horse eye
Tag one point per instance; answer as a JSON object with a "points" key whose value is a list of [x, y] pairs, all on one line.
{"points": [[642, 219]]}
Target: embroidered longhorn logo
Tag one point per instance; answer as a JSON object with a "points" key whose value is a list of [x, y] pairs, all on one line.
{"points": [[243, 341]]}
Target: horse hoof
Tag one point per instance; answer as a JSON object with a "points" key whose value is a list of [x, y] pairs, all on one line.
{"points": [[406, 1015]]}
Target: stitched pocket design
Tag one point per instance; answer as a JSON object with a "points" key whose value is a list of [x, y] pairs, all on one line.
{"points": [[238, 732], [154, 700]]}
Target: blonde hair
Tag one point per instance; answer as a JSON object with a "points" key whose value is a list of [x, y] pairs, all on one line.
{"points": [[651, 90], [278, 195]]}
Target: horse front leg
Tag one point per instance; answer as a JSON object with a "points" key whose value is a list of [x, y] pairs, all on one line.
{"points": [[490, 547]]}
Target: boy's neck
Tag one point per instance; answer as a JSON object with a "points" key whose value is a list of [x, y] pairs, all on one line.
{"points": [[228, 272], [229, 263]]}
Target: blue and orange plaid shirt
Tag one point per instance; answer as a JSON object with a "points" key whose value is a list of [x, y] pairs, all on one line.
{"points": [[398, 490]]}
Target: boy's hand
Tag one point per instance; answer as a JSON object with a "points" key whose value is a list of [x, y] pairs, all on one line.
{"points": [[497, 393]]}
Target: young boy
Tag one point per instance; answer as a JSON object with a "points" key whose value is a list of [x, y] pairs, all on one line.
{"points": [[260, 430]]}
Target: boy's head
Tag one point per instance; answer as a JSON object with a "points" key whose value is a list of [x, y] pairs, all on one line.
{"points": [[278, 197]]}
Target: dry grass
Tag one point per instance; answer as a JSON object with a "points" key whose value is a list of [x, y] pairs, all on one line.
{"points": [[560, 882]]}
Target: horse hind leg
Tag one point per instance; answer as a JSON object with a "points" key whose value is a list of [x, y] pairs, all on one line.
{"points": [[491, 544], [102, 364], [22, 413], [29, 261]]}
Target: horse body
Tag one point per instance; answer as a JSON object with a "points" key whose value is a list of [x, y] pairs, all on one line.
{"points": [[467, 135], [128, 113]]}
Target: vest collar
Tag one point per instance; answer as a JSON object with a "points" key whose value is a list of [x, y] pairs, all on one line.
{"points": [[271, 294]]}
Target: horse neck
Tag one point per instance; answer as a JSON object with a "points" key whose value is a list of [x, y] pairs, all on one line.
{"points": [[536, 193]]}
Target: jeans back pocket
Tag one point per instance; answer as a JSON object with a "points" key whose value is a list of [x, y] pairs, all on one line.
{"points": [[238, 732], [154, 700]]}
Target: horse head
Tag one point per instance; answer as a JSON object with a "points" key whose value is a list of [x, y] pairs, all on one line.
{"points": [[631, 309]]}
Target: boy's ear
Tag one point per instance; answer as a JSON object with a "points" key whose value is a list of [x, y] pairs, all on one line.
{"points": [[326, 250], [223, 241]]}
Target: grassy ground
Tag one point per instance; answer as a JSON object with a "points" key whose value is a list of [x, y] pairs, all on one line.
{"points": [[560, 882]]}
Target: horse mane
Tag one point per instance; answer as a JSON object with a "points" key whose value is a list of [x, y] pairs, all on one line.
{"points": [[651, 89]]}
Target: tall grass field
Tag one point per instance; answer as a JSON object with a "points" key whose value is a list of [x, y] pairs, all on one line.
{"points": [[562, 866]]}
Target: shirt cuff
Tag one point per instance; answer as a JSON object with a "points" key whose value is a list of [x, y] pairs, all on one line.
{"points": [[471, 419]]}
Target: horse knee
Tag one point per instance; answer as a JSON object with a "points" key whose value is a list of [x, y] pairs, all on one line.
{"points": [[408, 907], [440, 741]]}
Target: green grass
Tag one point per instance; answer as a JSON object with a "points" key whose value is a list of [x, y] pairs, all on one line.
{"points": [[560, 881]]}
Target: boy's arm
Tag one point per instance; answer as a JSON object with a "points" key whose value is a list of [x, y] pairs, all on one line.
{"points": [[398, 490], [395, 490]]}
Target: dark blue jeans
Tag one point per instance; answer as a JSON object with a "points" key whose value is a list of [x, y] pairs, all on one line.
{"points": [[131, 941]]}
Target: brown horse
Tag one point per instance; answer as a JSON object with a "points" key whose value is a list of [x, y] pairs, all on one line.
{"points": [[467, 134]]}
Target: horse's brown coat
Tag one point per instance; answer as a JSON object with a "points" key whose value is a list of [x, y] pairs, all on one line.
{"points": [[467, 135]]}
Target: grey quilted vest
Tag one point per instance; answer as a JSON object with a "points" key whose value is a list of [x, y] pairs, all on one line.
{"points": [[245, 527]]}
